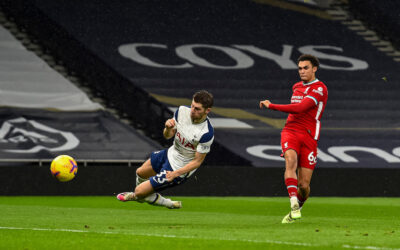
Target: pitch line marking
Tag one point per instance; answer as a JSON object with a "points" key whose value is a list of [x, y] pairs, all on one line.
{"points": [[191, 237]]}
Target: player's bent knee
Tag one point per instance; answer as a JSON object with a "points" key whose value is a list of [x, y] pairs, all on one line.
{"points": [[145, 171], [139, 172], [303, 186], [291, 163], [139, 192], [142, 173], [144, 190], [291, 159]]}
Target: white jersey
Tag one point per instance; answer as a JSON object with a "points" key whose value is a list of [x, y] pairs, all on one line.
{"points": [[189, 139]]}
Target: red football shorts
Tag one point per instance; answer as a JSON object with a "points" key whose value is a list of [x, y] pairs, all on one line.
{"points": [[304, 145]]}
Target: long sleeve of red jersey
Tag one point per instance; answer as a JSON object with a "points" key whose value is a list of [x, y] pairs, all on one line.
{"points": [[294, 108]]}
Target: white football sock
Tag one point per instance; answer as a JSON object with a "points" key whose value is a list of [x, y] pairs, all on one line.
{"points": [[157, 200], [139, 180], [294, 201]]}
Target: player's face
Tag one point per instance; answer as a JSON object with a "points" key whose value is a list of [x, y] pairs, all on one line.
{"points": [[307, 71], [197, 112]]}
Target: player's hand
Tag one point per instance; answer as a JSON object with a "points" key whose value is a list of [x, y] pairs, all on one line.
{"points": [[170, 123], [171, 175], [264, 103]]}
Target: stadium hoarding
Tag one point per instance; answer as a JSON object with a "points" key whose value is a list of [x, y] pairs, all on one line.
{"points": [[336, 149], [40, 134], [144, 39], [231, 55], [173, 48]]}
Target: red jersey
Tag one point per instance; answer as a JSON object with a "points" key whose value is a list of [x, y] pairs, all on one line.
{"points": [[307, 105]]}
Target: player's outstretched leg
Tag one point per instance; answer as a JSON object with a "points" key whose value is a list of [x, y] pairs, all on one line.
{"points": [[158, 200], [128, 196], [146, 192], [155, 199]]}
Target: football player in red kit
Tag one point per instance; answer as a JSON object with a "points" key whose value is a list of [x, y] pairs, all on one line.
{"points": [[300, 135]]}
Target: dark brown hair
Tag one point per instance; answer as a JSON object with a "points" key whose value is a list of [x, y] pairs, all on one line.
{"points": [[205, 98], [314, 60]]}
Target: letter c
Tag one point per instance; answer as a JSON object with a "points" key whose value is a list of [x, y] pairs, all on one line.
{"points": [[130, 51]]}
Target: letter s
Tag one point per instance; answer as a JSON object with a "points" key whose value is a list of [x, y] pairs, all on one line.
{"points": [[356, 63]]}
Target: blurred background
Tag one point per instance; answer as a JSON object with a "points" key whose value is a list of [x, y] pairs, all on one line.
{"points": [[97, 80]]}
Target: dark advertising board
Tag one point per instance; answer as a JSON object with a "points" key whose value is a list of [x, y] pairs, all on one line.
{"points": [[39, 134]]}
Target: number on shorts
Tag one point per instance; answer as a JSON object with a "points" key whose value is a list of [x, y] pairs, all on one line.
{"points": [[159, 177], [312, 158]]}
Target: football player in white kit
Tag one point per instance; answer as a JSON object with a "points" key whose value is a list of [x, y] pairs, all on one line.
{"points": [[194, 135]]}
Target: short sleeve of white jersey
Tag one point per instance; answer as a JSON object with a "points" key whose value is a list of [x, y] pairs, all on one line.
{"points": [[205, 147], [206, 139], [176, 116]]}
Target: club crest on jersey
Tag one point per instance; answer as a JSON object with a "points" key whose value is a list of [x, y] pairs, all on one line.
{"points": [[183, 141]]}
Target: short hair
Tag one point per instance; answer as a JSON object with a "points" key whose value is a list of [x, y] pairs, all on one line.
{"points": [[205, 98], [306, 57]]}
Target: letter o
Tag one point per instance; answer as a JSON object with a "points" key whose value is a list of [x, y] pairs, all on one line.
{"points": [[396, 151], [243, 61]]}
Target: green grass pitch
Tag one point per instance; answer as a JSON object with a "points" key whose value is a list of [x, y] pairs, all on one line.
{"points": [[99, 222]]}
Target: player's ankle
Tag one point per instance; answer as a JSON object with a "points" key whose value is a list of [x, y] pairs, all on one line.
{"points": [[294, 203]]}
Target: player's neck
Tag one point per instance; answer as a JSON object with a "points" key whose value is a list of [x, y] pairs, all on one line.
{"points": [[310, 81], [200, 120]]}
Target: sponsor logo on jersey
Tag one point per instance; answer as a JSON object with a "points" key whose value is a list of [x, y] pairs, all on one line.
{"points": [[296, 99], [184, 142]]}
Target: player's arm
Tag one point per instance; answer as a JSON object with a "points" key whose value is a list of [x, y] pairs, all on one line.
{"points": [[169, 129], [192, 165], [294, 108]]}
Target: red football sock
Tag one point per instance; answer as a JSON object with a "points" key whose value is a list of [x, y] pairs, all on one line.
{"points": [[301, 199], [291, 185]]}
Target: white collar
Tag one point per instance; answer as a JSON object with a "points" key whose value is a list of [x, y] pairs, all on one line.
{"points": [[309, 83]]}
